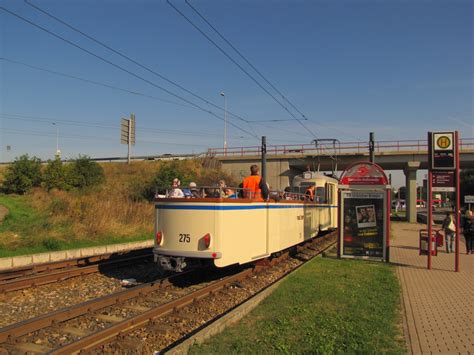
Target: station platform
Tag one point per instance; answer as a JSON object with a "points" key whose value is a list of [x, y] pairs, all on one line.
{"points": [[437, 303]]}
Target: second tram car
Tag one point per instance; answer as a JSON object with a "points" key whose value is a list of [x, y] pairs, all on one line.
{"points": [[226, 231]]}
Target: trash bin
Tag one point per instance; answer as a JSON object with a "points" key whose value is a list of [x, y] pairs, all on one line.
{"points": [[423, 250]]}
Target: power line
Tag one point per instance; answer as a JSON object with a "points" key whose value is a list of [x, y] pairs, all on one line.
{"points": [[50, 134], [244, 58], [17, 117], [70, 76], [130, 59], [122, 68], [257, 71], [239, 66]]}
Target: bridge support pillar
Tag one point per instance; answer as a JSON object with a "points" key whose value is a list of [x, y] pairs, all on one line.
{"points": [[410, 183]]}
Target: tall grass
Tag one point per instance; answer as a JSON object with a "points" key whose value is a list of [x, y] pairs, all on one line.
{"points": [[114, 211]]}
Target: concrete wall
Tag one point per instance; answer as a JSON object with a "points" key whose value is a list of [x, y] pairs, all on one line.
{"points": [[27, 260], [279, 173]]}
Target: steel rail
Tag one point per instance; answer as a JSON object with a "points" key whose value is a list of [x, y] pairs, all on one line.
{"points": [[13, 331], [10, 335], [49, 266], [211, 321], [104, 336], [119, 330], [46, 277]]}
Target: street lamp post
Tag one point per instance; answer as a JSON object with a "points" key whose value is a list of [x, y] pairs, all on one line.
{"points": [[58, 153], [225, 122]]}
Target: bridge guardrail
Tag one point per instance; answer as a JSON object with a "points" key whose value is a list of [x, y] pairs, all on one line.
{"points": [[339, 148]]}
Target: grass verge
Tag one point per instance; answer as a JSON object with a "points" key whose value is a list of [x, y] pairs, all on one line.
{"points": [[29, 230], [328, 306]]}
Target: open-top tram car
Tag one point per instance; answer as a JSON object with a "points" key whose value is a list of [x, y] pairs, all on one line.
{"points": [[226, 231]]}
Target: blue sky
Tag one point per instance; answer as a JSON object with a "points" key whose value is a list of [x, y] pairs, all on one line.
{"points": [[397, 68]]}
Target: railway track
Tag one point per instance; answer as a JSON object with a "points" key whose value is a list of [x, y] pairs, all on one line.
{"points": [[41, 274], [96, 323]]}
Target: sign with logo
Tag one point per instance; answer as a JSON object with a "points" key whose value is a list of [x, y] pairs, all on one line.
{"points": [[363, 224], [443, 181], [364, 174], [442, 151]]}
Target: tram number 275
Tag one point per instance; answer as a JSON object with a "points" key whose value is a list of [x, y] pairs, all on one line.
{"points": [[184, 238]]}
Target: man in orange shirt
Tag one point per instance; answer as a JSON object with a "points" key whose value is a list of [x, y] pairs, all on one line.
{"points": [[254, 186]]}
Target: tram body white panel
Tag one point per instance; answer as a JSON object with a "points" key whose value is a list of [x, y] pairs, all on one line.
{"points": [[176, 222], [240, 232]]}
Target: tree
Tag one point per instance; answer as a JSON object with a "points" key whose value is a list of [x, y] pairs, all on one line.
{"points": [[184, 171], [83, 172], [56, 175], [22, 175]]}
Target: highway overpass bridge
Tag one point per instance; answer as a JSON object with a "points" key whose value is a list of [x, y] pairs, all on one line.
{"points": [[286, 161]]}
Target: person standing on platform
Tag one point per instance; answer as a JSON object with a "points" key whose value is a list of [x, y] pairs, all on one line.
{"points": [[254, 186], [468, 230], [449, 230]]}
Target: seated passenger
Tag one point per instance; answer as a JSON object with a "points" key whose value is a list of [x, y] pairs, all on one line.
{"points": [[287, 195], [222, 187], [212, 192], [194, 191], [230, 193], [175, 191]]}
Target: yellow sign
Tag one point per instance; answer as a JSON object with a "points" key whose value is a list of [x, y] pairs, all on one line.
{"points": [[443, 142]]}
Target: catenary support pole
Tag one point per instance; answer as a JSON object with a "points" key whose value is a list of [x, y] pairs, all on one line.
{"points": [[371, 147], [264, 158]]}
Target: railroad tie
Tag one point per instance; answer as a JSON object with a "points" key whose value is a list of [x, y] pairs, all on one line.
{"points": [[136, 307], [160, 327], [74, 331], [31, 348], [109, 318]]}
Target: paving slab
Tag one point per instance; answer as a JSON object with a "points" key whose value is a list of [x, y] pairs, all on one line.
{"points": [[437, 303]]}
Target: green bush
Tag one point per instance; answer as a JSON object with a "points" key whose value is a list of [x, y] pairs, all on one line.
{"points": [[83, 172], [51, 244], [56, 176], [22, 175], [183, 170]]}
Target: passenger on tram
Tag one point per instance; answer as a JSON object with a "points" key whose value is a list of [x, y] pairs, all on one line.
{"points": [[175, 191], [309, 194], [194, 191], [254, 186], [230, 193], [222, 187]]}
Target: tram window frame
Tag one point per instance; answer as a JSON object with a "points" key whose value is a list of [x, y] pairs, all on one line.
{"points": [[320, 194], [330, 193]]}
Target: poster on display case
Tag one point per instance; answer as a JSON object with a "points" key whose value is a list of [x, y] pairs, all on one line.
{"points": [[363, 224]]}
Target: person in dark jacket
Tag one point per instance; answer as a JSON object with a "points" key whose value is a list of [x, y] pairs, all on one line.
{"points": [[468, 231]]}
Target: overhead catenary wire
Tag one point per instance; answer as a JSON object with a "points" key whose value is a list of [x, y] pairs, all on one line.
{"points": [[258, 71], [51, 134], [70, 76], [241, 68], [123, 69], [9, 116], [244, 58], [119, 53]]}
